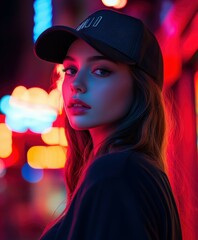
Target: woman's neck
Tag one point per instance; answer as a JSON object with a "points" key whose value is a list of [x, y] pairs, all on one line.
{"points": [[99, 135]]}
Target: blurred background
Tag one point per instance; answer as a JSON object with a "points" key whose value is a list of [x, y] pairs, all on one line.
{"points": [[33, 146]]}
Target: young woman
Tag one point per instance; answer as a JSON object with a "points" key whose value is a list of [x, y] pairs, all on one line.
{"points": [[115, 126]]}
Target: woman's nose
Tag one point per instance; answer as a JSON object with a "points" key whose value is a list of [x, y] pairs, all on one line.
{"points": [[78, 84]]}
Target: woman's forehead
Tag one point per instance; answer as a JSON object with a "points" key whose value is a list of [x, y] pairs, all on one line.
{"points": [[80, 48]]}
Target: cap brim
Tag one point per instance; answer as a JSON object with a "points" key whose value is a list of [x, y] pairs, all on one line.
{"points": [[52, 45]]}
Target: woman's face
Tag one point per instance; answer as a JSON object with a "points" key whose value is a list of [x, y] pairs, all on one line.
{"points": [[96, 91]]}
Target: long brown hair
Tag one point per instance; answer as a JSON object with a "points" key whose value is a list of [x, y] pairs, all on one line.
{"points": [[142, 129]]}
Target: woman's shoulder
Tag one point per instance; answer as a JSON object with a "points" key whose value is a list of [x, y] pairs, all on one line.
{"points": [[109, 165], [125, 189], [132, 166], [132, 176]]}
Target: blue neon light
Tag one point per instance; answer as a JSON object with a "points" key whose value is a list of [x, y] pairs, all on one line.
{"points": [[30, 174], [21, 117], [166, 7], [42, 16]]}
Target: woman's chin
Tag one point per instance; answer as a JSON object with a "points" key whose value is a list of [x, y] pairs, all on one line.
{"points": [[83, 126], [78, 127]]}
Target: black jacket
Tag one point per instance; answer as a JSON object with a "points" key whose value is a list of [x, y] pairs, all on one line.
{"points": [[123, 197]]}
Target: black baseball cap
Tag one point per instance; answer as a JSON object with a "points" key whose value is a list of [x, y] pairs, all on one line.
{"points": [[118, 36]]}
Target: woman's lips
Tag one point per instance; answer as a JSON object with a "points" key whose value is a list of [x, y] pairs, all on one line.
{"points": [[78, 107], [78, 110]]}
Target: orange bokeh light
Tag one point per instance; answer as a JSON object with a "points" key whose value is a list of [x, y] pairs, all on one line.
{"points": [[50, 157], [5, 141], [13, 158], [55, 136], [115, 3], [36, 96]]}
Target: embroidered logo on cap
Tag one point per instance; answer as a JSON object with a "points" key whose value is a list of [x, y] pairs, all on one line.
{"points": [[89, 22]]}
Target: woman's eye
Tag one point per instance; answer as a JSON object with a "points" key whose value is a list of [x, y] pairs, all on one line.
{"points": [[102, 72], [70, 71]]}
